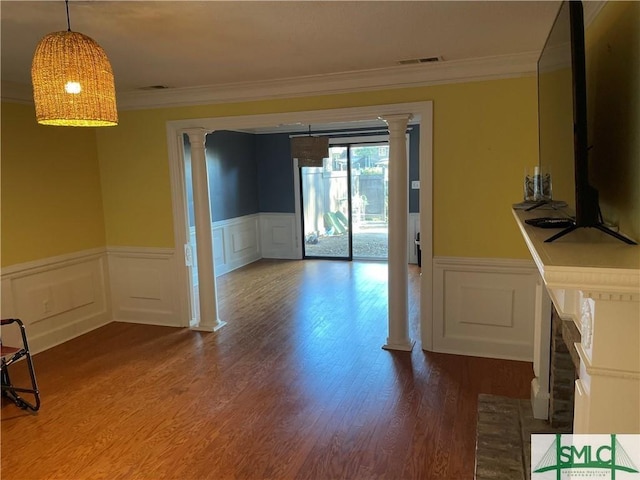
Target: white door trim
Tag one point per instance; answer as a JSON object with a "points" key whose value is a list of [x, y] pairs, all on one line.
{"points": [[421, 111], [297, 196]]}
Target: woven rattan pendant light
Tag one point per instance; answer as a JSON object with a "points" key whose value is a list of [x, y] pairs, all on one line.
{"points": [[73, 81], [310, 151]]}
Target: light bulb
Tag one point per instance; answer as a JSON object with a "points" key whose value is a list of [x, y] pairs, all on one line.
{"points": [[72, 87]]}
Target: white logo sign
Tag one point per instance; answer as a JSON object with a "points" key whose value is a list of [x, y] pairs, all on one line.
{"points": [[573, 457]]}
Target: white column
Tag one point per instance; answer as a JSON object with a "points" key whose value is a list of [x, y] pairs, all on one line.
{"points": [[209, 320], [398, 338]]}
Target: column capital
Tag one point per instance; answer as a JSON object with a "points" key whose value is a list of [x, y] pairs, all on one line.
{"points": [[398, 120], [196, 135]]}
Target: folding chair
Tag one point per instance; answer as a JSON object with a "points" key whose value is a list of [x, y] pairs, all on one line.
{"points": [[11, 355]]}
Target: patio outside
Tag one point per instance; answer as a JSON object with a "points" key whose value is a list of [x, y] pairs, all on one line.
{"points": [[370, 241]]}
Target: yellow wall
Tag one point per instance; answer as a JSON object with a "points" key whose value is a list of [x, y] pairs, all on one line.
{"points": [[613, 88], [485, 133], [51, 199]]}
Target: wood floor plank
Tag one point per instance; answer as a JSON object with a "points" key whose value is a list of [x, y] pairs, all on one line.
{"points": [[296, 386]]}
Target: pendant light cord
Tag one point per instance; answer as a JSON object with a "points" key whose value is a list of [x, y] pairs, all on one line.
{"points": [[66, 2]]}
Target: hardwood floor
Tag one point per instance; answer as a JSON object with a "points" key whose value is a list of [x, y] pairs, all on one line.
{"points": [[296, 386]]}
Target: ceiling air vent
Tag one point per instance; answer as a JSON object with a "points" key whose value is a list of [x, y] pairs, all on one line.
{"points": [[413, 61], [154, 87]]}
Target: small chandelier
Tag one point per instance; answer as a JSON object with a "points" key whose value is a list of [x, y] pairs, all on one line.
{"points": [[73, 81], [310, 151]]}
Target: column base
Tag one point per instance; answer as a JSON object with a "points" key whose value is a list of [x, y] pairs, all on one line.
{"points": [[539, 401], [403, 347], [209, 328]]}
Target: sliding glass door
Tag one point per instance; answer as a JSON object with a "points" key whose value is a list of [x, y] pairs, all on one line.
{"points": [[326, 207], [344, 203], [370, 200]]}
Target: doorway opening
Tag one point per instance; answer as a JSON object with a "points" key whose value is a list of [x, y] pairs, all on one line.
{"points": [[284, 229], [345, 203]]}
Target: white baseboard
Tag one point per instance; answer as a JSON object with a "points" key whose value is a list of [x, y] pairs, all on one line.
{"points": [[278, 236], [484, 307], [57, 298], [143, 286]]}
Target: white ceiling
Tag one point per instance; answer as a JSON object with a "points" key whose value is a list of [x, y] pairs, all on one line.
{"points": [[188, 44]]}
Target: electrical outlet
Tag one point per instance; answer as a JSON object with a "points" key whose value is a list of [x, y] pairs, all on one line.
{"points": [[415, 184]]}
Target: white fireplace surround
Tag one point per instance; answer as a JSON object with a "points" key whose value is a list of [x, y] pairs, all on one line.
{"points": [[593, 280]]}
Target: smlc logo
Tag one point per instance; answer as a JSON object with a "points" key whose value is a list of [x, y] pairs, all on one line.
{"points": [[585, 456]]}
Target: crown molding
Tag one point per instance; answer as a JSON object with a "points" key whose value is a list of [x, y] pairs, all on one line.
{"points": [[402, 76], [405, 76]]}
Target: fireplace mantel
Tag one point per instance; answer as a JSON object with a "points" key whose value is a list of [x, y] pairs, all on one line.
{"points": [[593, 280]]}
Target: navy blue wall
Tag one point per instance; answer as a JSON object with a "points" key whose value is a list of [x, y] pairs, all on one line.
{"points": [[275, 173], [233, 174], [252, 173]]}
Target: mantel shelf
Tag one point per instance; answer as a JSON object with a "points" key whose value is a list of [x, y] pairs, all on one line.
{"points": [[585, 259]]}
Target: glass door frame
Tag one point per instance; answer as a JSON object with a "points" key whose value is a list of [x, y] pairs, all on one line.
{"points": [[349, 256], [353, 140], [353, 145]]}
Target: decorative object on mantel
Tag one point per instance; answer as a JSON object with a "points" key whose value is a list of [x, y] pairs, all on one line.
{"points": [[538, 190], [72, 81], [309, 150], [537, 184]]}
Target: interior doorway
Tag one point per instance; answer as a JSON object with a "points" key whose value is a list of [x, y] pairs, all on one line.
{"points": [[345, 203], [288, 230]]}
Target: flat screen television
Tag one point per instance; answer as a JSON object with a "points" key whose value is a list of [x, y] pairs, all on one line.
{"points": [[562, 120]]}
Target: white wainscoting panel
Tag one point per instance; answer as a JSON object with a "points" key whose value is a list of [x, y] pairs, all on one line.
{"points": [[236, 243], [143, 286], [57, 298], [414, 227], [278, 235], [219, 248], [239, 245], [484, 307]]}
